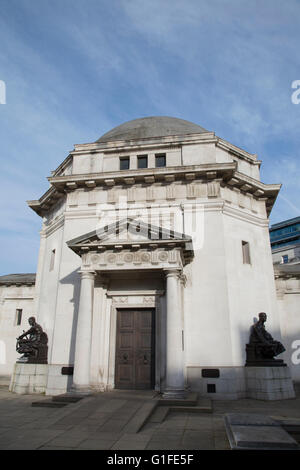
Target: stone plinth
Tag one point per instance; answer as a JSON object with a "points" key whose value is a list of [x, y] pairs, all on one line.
{"points": [[29, 378], [269, 383]]}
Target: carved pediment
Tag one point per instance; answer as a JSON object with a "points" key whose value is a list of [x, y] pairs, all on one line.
{"points": [[131, 234]]}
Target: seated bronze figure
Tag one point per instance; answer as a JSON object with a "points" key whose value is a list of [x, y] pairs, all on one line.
{"points": [[33, 344], [262, 348]]}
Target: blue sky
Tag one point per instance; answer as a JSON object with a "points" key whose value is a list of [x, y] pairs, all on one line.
{"points": [[73, 69]]}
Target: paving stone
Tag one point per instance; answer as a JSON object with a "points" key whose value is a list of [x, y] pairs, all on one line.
{"points": [[113, 425], [129, 445], [96, 444], [100, 422], [67, 441]]}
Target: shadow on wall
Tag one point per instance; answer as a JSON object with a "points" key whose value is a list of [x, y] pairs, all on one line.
{"points": [[74, 280]]}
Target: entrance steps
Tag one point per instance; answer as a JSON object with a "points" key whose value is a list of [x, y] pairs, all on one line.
{"points": [[191, 404]]}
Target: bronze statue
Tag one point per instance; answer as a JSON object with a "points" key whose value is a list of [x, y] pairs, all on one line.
{"points": [[33, 344], [262, 348]]}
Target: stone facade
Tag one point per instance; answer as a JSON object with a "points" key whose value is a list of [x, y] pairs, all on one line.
{"points": [[188, 239]]}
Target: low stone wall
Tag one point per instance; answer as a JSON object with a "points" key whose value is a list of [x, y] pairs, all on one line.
{"points": [[231, 383]]}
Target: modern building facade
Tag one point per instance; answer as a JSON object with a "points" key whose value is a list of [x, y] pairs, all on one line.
{"points": [[154, 261]]}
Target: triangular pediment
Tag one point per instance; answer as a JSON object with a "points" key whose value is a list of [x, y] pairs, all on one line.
{"points": [[129, 232]]}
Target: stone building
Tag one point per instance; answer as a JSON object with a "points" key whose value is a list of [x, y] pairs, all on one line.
{"points": [[154, 261]]}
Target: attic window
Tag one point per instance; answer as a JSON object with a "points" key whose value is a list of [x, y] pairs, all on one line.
{"points": [[124, 163], [160, 160], [142, 161]]}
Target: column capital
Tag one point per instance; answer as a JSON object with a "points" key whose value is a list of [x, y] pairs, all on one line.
{"points": [[172, 272], [87, 274]]}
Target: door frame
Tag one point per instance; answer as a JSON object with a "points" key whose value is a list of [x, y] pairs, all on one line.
{"points": [[153, 341], [116, 301]]}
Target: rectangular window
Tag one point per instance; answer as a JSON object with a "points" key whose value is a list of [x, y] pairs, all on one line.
{"points": [[124, 163], [160, 160], [18, 317], [52, 260], [142, 161], [284, 259], [246, 252]]}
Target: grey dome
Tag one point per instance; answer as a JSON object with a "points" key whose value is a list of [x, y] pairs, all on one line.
{"points": [[154, 126]]}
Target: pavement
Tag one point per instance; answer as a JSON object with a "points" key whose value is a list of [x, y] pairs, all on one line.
{"points": [[123, 420]]}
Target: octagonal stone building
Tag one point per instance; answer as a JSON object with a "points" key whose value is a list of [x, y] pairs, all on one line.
{"points": [[154, 259]]}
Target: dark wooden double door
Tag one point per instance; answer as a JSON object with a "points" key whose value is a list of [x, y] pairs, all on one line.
{"points": [[135, 347]]}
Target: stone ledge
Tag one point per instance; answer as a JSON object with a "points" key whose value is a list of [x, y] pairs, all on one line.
{"points": [[246, 431]]}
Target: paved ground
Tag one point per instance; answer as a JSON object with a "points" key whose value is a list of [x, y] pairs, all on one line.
{"points": [[106, 421]]}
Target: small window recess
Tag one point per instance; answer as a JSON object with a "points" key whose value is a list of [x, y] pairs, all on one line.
{"points": [[52, 260], [246, 252], [18, 316]]}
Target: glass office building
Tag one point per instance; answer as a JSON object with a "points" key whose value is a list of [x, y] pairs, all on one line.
{"points": [[285, 233]]}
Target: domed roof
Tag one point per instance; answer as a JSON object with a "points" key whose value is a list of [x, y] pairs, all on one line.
{"points": [[154, 126]]}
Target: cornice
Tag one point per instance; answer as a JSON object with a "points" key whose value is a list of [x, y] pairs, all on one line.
{"points": [[226, 173], [147, 175]]}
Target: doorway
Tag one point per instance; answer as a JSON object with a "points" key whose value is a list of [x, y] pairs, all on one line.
{"points": [[135, 349]]}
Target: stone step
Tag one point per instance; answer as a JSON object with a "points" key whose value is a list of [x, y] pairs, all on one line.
{"points": [[190, 400], [48, 404], [191, 409], [68, 398], [58, 401]]}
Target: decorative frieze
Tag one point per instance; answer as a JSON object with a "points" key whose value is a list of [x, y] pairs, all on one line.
{"points": [[112, 259]]}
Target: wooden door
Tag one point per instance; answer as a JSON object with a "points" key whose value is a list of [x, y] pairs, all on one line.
{"points": [[135, 360]]}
